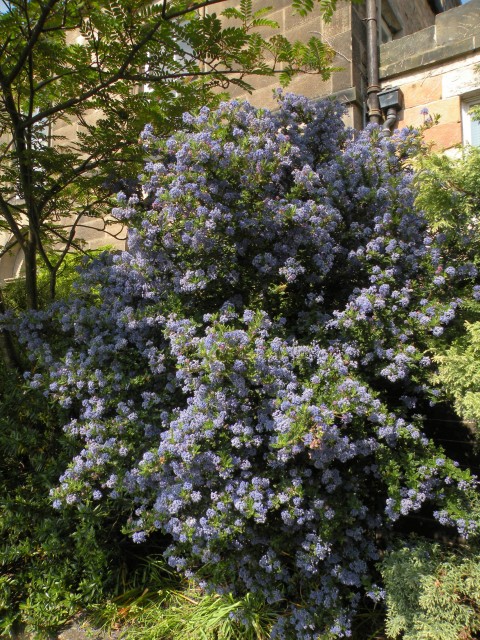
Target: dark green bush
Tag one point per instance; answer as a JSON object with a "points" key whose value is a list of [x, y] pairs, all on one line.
{"points": [[433, 593], [50, 563]]}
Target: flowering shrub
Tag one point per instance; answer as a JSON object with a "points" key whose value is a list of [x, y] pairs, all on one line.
{"points": [[247, 373]]}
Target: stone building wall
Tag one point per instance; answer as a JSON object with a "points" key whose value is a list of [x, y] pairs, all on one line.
{"points": [[437, 69], [410, 16], [346, 34], [337, 34]]}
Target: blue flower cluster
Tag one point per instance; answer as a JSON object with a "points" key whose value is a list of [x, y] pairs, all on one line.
{"points": [[247, 371]]}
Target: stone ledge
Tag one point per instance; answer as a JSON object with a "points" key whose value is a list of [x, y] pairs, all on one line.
{"points": [[397, 51], [455, 34], [430, 57], [345, 96], [459, 23]]}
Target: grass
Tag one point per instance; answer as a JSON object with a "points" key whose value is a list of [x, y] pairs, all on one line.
{"points": [[160, 605]]}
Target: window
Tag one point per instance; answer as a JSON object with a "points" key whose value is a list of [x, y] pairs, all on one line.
{"points": [[385, 31], [389, 24], [470, 126], [41, 133]]}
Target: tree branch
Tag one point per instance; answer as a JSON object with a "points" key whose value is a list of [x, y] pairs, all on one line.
{"points": [[16, 230], [120, 74], [87, 165], [67, 241], [9, 246], [46, 82], [34, 36], [5, 45], [6, 150], [193, 74], [194, 7]]}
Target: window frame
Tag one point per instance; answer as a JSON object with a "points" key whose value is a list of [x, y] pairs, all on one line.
{"points": [[467, 103]]}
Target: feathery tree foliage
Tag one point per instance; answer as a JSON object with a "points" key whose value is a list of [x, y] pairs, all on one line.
{"points": [[432, 593], [449, 193]]}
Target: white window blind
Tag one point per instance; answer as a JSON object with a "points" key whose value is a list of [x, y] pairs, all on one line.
{"points": [[470, 127], [475, 132]]}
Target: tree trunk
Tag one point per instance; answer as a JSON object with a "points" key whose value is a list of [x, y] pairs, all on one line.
{"points": [[8, 351], [52, 283], [31, 285]]}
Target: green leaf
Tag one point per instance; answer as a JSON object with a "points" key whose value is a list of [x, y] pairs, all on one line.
{"points": [[302, 7], [264, 22]]}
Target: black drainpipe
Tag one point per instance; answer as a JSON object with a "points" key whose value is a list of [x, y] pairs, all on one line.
{"points": [[390, 120], [390, 101], [374, 111]]}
